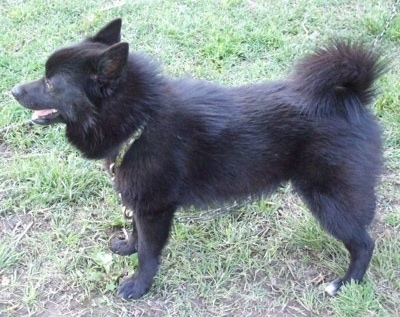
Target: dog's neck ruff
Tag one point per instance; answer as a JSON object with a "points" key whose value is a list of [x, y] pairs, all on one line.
{"points": [[124, 149]]}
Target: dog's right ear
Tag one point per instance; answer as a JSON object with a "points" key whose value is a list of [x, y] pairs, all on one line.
{"points": [[109, 34]]}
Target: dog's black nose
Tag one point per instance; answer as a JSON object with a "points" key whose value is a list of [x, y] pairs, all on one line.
{"points": [[16, 91]]}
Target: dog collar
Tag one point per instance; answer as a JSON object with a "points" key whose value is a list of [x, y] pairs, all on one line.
{"points": [[124, 149]]}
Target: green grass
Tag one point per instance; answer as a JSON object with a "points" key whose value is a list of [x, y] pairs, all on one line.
{"points": [[267, 258]]}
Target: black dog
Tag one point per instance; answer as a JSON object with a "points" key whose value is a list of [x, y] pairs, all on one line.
{"points": [[201, 142]]}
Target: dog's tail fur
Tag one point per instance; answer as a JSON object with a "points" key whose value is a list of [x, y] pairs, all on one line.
{"points": [[339, 78]]}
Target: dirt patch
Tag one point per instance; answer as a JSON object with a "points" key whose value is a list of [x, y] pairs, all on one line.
{"points": [[4, 152]]}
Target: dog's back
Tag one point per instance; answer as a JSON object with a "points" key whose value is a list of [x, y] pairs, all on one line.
{"points": [[246, 140]]}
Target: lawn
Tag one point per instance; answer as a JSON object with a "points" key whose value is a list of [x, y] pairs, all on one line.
{"points": [[267, 257]]}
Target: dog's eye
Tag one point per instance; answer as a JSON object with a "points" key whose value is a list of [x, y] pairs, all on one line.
{"points": [[48, 83]]}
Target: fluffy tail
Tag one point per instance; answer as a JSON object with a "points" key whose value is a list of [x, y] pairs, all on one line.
{"points": [[338, 79]]}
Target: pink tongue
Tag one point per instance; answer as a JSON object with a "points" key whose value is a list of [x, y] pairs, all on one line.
{"points": [[41, 113]]}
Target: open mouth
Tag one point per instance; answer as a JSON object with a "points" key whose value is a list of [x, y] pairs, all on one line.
{"points": [[46, 117]]}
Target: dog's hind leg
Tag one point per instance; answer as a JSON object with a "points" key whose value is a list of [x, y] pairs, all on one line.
{"points": [[360, 248], [153, 231], [345, 214]]}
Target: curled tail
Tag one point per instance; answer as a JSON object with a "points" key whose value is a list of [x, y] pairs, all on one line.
{"points": [[338, 79]]}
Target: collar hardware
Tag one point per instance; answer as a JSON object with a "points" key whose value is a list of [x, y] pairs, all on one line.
{"points": [[123, 150]]}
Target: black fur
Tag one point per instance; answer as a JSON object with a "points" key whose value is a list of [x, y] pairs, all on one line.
{"points": [[203, 142]]}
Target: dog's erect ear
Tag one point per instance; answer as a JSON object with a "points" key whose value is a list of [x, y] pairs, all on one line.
{"points": [[113, 60], [110, 34]]}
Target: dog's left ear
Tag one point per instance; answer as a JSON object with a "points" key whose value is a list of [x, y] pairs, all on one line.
{"points": [[109, 34], [112, 61]]}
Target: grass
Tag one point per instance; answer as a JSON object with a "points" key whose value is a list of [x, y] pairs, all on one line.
{"points": [[267, 258]]}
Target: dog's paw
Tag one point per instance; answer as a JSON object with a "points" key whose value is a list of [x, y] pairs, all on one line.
{"points": [[122, 245], [132, 288], [333, 287]]}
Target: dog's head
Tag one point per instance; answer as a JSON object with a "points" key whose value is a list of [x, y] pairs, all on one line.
{"points": [[76, 78]]}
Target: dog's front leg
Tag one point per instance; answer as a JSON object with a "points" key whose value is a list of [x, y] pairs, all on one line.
{"points": [[125, 245], [152, 235]]}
